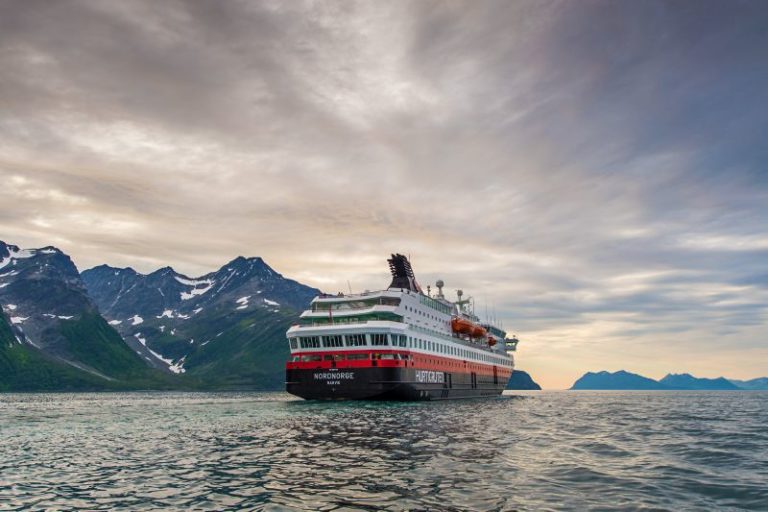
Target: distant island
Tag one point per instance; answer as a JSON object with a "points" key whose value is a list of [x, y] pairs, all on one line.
{"points": [[520, 380], [623, 380]]}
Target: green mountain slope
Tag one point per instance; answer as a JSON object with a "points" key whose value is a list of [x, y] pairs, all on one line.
{"points": [[224, 347], [24, 368]]}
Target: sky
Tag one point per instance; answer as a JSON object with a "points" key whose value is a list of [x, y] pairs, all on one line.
{"points": [[594, 173]]}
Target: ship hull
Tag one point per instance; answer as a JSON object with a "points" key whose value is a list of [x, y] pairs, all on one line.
{"points": [[394, 383]]}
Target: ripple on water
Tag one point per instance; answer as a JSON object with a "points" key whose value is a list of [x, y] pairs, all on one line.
{"points": [[550, 450]]}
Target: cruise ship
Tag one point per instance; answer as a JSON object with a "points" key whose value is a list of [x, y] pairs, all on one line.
{"points": [[396, 344]]}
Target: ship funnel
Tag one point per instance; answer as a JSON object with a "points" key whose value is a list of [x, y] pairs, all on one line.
{"points": [[402, 274]]}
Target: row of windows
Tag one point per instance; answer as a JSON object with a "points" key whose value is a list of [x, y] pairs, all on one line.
{"points": [[357, 319], [349, 340], [355, 304], [435, 304], [394, 340], [423, 313], [306, 358]]}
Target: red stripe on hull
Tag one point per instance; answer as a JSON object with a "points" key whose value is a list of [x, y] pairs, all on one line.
{"points": [[407, 359]]}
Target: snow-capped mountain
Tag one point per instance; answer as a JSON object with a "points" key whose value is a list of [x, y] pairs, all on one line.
{"points": [[227, 325], [47, 311], [111, 328], [122, 293]]}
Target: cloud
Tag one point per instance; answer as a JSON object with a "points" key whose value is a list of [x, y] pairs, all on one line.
{"points": [[593, 172]]}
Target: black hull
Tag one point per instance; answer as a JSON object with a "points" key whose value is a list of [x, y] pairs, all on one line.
{"points": [[376, 383]]}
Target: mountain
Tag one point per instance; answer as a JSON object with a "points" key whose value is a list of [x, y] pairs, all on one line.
{"points": [[760, 383], [620, 380], [521, 380], [53, 336], [683, 381], [226, 328], [687, 381]]}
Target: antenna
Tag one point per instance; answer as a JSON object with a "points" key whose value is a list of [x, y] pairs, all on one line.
{"points": [[349, 286]]}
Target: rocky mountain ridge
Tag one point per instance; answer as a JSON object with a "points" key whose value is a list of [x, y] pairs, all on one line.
{"points": [[111, 328], [521, 380], [195, 324], [623, 380], [49, 319]]}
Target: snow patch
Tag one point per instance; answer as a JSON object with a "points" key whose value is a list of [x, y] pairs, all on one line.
{"points": [[162, 328], [243, 301], [60, 317], [197, 311], [4, 285], [136, 320], [48, 251], [175, 368], [18, 319], [12, 307], [191, 282], [168, 313], [178, 367], [191, 341], [271, 302], [197, 291], [115, 322], [14, 254]]}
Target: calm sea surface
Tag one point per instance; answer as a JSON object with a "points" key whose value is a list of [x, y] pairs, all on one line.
{"points": [[266, 451]]}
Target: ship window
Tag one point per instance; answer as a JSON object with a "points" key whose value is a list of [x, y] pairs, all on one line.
{"points": [[307, 358], [294, 343], [403, 341], [387, 356], [378, 339], [332, 341], [310, 342], [355, 357], [355, 340]]}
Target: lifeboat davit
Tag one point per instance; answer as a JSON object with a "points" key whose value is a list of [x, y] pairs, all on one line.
{"points": [[462, 326]]}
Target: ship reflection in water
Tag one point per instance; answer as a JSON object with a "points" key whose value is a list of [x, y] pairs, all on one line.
{"points": [[544, 450]]}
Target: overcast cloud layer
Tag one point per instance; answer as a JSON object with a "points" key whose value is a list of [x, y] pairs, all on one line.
{"points": [[595, 172]]}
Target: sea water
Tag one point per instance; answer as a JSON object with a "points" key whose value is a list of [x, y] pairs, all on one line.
{"points": [[267, 451]]}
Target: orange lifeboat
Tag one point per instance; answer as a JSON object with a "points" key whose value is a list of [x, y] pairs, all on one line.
{"points": [[491, 341], [462, 326], [478, 331]]}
